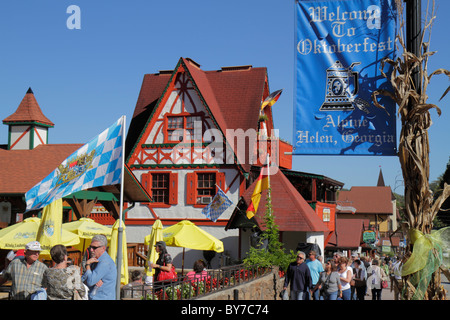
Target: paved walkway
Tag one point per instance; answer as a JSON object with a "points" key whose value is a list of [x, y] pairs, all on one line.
{"points": [[387, 294]]}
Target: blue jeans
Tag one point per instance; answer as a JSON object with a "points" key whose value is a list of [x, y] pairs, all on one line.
{"points": [[316, 294], [347, 294], [298, 295], [331, 296]]}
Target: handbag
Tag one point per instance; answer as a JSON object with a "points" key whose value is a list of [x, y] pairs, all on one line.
{"points": [[384, 284], [167, 275]]}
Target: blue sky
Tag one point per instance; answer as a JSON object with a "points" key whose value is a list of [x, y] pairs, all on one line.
{"points": [[86, 79]]}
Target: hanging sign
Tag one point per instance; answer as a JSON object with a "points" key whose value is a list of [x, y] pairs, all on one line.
{"points": [[369, 236], [339, 48]]}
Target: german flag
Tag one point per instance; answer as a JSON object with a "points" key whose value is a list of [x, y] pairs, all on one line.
{"points": [[271, 99], [262, 183]]}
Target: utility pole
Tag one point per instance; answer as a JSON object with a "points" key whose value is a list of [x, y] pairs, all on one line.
{"points": [[414, 34]]}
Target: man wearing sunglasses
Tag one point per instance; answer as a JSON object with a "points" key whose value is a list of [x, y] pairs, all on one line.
{"points": [[299, 276], [101, 272]]}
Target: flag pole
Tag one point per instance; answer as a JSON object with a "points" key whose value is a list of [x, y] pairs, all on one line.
{"points": [[268, 168], [120, 230]]}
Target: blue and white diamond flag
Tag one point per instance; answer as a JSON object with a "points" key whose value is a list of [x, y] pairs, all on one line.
{"points": [[217, 206], [97, 163]]}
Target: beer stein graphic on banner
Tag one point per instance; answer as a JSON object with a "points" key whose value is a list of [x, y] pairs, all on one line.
{"points": [[338, 96]]}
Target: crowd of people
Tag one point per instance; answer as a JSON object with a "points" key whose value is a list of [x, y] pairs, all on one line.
{"points": [[342, 278], [31, 279], [309, 278]]}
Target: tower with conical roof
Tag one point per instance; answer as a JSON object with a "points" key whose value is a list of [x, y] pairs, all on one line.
{"points": [[28, 126]]}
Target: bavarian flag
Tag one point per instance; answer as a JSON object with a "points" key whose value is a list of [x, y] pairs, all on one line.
{"points": [[217, 206], [271, 99], [97, 163], [262, 183]]}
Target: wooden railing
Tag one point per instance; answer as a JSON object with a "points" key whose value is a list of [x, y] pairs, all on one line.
{"points": [[137, 254]]}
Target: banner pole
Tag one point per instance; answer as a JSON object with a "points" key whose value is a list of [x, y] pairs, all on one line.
{"points": [[120, 230]]}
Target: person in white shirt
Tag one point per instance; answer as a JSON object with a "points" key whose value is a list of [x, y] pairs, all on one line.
{"points": [[346, 275]]}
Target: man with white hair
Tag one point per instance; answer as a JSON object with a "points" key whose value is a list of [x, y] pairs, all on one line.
{"points": [[101, 272], [299, 276], [25, 274]]}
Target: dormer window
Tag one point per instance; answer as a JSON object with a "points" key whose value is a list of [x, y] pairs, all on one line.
{"points": [[185, 128]]}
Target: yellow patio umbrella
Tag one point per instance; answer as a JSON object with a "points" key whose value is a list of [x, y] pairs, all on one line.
{"points": [[150, 240], [112, 251], [86, 228], [187, 235], [49, 232], [15, 237]]}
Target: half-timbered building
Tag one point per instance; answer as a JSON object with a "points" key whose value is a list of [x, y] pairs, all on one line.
{"points": [[193, 131]]}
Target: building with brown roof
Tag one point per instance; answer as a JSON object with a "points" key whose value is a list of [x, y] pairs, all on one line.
{"points": [[193, 131], [297, 221], [27, 158], [362, 209]]}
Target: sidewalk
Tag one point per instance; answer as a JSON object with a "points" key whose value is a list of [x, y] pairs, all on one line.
{"points": [[387, 294]]}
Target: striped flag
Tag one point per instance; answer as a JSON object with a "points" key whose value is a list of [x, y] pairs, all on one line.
{"points": [[217, 206], [97, 163], [262, 183], [271, 99]]}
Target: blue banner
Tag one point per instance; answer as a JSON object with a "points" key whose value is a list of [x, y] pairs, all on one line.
{"points": [[339, 48]]}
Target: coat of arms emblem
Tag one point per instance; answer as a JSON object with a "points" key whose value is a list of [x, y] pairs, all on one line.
{"points": [[74, 167]]}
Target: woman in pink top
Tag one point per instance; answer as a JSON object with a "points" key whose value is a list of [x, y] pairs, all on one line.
{"points": [[199, 273]]}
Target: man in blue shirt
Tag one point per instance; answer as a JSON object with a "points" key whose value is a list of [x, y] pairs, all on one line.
{"points": [[101, 271], [299, 276], [315, 268]]}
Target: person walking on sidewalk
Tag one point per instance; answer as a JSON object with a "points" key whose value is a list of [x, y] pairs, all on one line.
{"points": [[315, 268], [359, 278], [329, 283], [299, 276], [346, 274], [375, 277]]}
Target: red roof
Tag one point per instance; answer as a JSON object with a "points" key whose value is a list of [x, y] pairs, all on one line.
{"points": [[367, 200], [20, 170], [233, 96], [28, 111], [292, 212], [348, 233]]}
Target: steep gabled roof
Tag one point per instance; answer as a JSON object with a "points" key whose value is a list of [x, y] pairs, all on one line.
{"points": [[28, 112], [367, 200], [232, 96], [291, 211]]}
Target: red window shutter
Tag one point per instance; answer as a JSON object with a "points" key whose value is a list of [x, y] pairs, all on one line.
{"points": [[191, 188], [173, 188], [220, 180], [146, 180]]}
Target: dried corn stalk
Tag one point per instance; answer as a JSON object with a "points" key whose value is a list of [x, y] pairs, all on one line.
{"points": [[413, 109]]}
